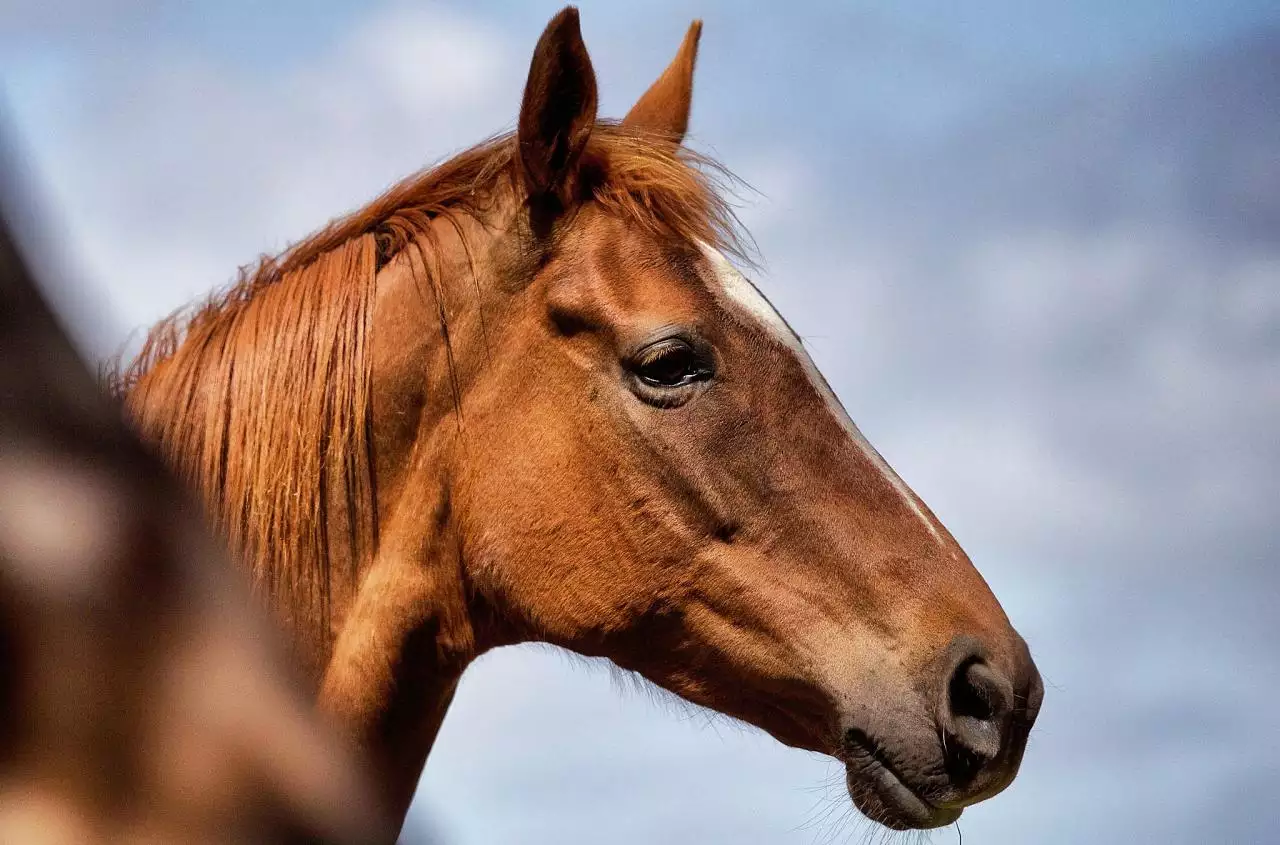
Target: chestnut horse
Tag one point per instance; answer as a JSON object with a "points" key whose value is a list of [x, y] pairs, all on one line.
{"points": [[526, 396]]}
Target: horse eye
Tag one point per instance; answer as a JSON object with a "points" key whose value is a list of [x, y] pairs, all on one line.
{"points": [[670, 364]]}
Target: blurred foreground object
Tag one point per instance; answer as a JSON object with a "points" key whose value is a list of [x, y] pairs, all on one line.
{"points": [[141, 700]]}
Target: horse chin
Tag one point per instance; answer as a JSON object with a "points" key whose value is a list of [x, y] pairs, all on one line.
{"points": [[884, 795]]}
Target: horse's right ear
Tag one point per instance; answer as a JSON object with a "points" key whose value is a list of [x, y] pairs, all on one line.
{"points": [[558, 111]]}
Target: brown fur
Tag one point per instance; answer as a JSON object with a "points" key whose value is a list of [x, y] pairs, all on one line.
{"points": [[664, 108], [268, 421], [435, 428]]}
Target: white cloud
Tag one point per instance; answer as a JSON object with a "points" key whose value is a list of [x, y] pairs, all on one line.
{"points": [[196, 165], [25, 18], [427, 58]]}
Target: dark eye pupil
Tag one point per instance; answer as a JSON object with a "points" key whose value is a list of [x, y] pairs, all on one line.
{"points": [[672, 366], [669, 369]]}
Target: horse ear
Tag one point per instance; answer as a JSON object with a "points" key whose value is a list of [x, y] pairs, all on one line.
{"points": [[559, 109], [664, 108]]}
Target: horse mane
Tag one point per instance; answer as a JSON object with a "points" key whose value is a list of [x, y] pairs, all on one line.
{"points": [[260, 396]]}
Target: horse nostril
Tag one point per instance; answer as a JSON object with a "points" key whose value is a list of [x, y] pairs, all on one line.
{"points": [[977, 692], [978, 703]]}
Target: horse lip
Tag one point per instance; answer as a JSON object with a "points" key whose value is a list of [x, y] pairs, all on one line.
{"points": [[901, 805]]}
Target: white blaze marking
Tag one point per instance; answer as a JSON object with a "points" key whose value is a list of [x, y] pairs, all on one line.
{"points": [[747, 297]]}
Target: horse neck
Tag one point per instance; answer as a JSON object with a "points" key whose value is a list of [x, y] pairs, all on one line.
{"points": [[438, 322], [430, 334], [425, 313], [409, 630]]}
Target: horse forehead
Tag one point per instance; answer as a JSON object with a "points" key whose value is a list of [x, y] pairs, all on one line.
{"points": [[741, 293], [639, 271]]}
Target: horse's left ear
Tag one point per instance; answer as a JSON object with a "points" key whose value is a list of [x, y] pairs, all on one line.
{"points": [[558, 111], [664, 108]]}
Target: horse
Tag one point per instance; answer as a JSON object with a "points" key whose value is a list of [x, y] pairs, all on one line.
{"points": [[527, 395], [143, 698]]}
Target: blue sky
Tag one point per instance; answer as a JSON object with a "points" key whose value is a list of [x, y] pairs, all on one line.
{"points": [[1035, 248]]}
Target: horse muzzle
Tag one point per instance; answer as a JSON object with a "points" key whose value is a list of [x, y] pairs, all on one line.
{"points": [[908, 772]]}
